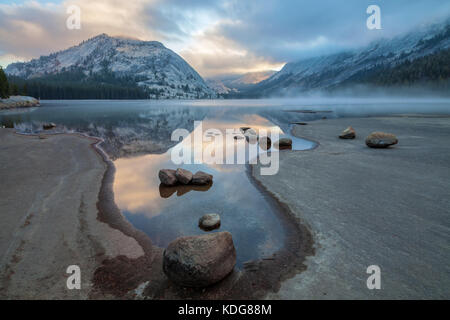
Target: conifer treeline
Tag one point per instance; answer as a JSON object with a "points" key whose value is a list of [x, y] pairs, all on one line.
{"points": [[76, 85]]}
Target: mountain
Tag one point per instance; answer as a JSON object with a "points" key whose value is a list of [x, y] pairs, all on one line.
{"points": [[147, 66], [418, 57], [238, 82]]}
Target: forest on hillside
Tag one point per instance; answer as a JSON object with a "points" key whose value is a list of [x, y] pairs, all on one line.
{"points": [[75, 84]]}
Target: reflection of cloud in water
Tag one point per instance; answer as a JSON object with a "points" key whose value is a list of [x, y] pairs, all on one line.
{"points": [[136, 183]]}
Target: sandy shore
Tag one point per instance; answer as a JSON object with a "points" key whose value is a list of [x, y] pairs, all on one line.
{"points": [[365, 206], [48, 199]]}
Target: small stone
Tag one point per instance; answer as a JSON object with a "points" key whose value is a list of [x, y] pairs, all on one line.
{"points": [[167, 177], [184, 176], [200, 261], [243, 129], [42, 136], [265, 143], [284, 143], [209, 221], [202, 178], [48, 126], [251, 136], [348, 133], [381, 140]]}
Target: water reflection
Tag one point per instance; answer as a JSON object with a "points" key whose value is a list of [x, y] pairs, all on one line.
{"points": [[166, 213], [167, 192]]}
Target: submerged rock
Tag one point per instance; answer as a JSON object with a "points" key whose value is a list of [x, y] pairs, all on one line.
{"points": [[381, 140], [167, 177], [284, 143], [209, 221], [348, 133], [199, 261], [183, 176], [202, 178]]}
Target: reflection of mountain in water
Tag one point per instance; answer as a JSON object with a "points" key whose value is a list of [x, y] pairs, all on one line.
{"points": [[126, 131], [150, 132]]}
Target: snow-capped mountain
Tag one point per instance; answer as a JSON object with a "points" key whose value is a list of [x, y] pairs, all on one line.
{"points": [[331, 71], [149, 63]]}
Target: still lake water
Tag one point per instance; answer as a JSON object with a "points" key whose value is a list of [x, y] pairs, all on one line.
{"points": [[137, 137]]}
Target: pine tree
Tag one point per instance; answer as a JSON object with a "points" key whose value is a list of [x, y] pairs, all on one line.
{"points": [[14, 90], [4, 86]]}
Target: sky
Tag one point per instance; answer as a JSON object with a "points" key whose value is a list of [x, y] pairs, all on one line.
{"points": [[217, 37]]}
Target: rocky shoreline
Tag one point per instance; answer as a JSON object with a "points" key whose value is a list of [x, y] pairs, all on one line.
{"points": [[18, 102]]}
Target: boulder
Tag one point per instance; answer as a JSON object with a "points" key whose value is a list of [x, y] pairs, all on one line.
{"points": [[199, 261], [167, 177], [202, 178], [265, 143], [284, 143], [209, 221], [381, 140], [251, 136], [183, 176], [348, 133], [48, 126]]}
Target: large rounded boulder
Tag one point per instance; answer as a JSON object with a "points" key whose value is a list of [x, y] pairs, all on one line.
{"points": [[381, 140], [200, 261]]}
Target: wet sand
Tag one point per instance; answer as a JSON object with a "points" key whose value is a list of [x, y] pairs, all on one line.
{"points": [[48, 197], [385, 207]]}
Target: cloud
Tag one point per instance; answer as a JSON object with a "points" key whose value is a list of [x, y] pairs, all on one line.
{"points": [[218, 36]]}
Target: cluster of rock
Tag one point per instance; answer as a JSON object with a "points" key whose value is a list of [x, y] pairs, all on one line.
{"points": [[264, 142], [18, 102], [373, 140], [169, 177], [199, 261]]}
